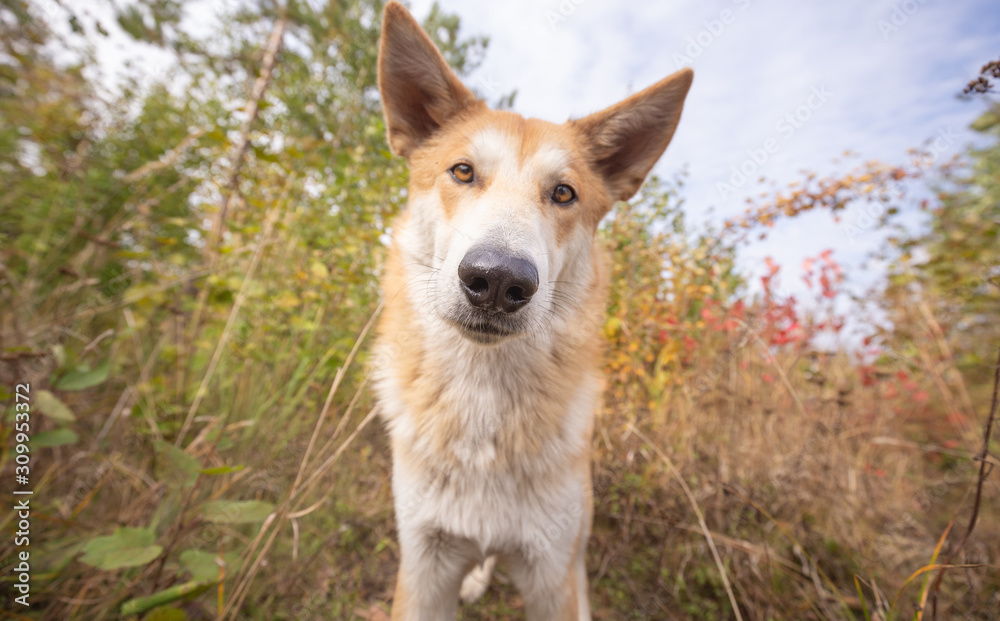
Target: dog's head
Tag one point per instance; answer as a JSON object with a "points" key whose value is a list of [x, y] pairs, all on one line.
{"points": [[503, 209]]}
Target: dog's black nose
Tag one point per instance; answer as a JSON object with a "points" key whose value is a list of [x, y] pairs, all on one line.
{"points": [[497, 282]]}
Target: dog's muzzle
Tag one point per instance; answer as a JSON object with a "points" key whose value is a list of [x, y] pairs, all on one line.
{"points": [[496, 282]]}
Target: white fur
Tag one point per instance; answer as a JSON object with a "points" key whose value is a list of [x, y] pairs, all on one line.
{"points": [[493, 458], [494, 154], [507, 213], [477, 581], [550, 159], [490, 510]]}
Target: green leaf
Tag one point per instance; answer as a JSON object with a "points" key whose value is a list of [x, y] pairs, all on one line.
{"points": [[126, 547], [204, 566], [264, 156], [221, 470], [56, 437], [175, 467], [201, 565], [986, 121], [236, 511], [83, 377], [185, 591], [50, 405], [59, 353], [55, 555], [166, 614]]}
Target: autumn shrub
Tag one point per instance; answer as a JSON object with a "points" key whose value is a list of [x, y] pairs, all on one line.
{"points": [[203, 444]]}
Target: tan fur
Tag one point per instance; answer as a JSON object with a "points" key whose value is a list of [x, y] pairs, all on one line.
{"points": [[491, 435], [547, 383]]}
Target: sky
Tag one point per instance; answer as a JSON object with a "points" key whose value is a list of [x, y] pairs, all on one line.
{"points": [[873, 77]]}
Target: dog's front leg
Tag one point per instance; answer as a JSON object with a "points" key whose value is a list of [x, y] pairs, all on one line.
{"points": [[553, 581], [431, 569]]}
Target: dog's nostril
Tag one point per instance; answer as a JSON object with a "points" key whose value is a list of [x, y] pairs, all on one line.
{"points": [[497, 281], [479, 285]]}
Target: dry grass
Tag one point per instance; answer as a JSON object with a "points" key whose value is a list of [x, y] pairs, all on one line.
{"points": [[739, 472], [783, 492], [790, 481]]}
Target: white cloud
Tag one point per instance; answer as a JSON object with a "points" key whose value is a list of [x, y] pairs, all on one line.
{"points": [[890, 91]]}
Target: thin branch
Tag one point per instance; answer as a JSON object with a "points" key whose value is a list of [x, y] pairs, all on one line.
{"points": [[245, 577], [984, 470], [248, 277], [242, 144], [341, 372], [698, 514], [167, 160]]}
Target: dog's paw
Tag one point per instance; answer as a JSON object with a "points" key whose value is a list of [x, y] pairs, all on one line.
{"points": [[475, 583]]}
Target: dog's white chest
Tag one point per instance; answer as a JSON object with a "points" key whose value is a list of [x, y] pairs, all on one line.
{"points": [[496, 511], [525, 504]]}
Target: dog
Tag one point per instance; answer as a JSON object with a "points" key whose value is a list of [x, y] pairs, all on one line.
{"points": [[488, 354]]}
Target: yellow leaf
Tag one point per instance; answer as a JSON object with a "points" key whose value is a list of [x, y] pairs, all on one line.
{"points": [[319, 271], [286, 299]]}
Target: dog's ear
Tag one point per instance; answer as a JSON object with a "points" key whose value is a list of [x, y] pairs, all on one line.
{"points": [[420, 93], [626, 139]]}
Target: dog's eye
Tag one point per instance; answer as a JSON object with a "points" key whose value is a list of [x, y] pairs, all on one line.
{"points": [[563, 194], [462, 173]]}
